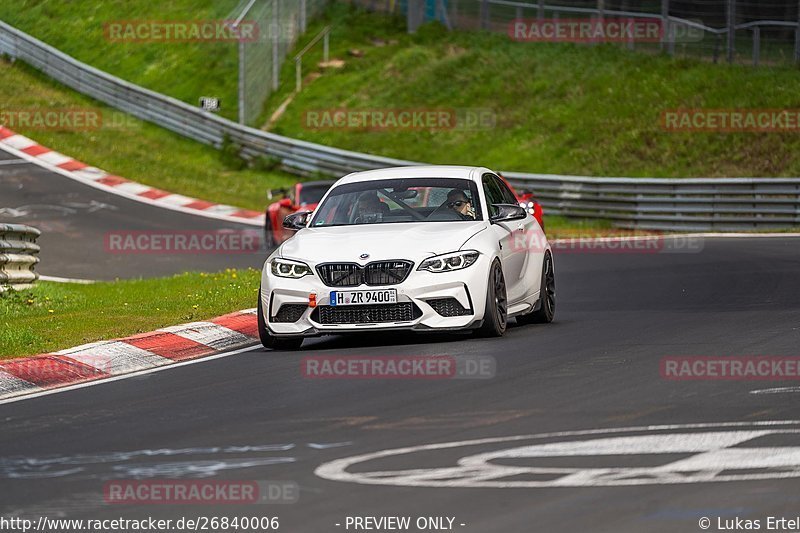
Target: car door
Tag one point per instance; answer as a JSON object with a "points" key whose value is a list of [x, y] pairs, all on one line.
{"points": [[527, 255], [504, 233]]}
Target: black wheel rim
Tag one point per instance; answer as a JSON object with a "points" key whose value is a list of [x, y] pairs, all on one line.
{"points": [[500, 301], [550, 286]]}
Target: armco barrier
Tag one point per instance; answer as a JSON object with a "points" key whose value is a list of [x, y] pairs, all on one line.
{"points": [[18, 251], [670, 204]]}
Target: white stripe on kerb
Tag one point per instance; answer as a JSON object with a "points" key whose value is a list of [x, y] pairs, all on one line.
{"points": [[54, 158], [10, 385], [133, 188], [117, 357], [222, 209], [176, 199], [20, 142], [209, 334], [90, 173]]}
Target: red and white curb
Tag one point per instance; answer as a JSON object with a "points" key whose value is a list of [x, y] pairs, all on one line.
{"points": [[105, 359], [31, 151]]}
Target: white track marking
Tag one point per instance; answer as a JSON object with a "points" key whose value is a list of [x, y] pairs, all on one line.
{"points": [[56, 279], [777, 390], [719, 455], [126, 376]]}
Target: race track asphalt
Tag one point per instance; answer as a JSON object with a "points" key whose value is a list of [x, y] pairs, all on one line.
{"points": [[253, 416], [77, 222]]}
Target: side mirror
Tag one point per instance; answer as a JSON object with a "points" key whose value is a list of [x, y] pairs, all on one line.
{"points": [[297, 221], [285, 202], [507, 213]]}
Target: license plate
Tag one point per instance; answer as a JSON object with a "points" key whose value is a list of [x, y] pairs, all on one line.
{"points": [[384, 296]]}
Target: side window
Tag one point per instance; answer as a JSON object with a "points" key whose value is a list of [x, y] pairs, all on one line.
{"points": [[494, 195], [508, 196]]}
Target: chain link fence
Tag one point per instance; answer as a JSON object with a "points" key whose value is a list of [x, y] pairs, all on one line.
{"points": [[279, 23], [738, 31]]}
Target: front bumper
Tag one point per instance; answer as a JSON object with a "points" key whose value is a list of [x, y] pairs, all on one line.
{"points": [[467, 287]]}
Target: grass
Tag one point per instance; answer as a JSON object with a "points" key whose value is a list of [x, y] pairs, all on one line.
{"points": [[53, 316], [136, 149], [559, 108], [184, 70]]}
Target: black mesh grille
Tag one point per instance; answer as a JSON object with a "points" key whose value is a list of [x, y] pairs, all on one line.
{"points": [[448, 307], [366, 314], [290, 313], [340, 274], [375, 273], [386, 272]]}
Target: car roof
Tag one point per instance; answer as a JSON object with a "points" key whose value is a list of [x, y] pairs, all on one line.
{"points": [[420, 171], [327, 183]]}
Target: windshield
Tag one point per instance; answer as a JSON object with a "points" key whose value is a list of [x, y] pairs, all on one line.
{"points": [[312, 194], [400, 200]]}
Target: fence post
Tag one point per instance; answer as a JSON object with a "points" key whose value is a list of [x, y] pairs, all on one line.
{"points": [[303, 16], [756, 45], [241, 82], [484, 14], [731, 29], [665, 25], [276, 44], [326, 46], [540, 11]]}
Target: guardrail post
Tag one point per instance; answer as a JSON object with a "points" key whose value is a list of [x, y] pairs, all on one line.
{"points": [[756, 45], [731, 16]]}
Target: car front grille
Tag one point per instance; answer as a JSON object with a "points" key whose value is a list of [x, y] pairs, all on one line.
{"points": [[448, 307], [290, 313], [375, 273], [366, 314]]}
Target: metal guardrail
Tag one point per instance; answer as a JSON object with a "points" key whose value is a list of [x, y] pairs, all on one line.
{"points": [[18, 251], [670, 204], [693, 204]]}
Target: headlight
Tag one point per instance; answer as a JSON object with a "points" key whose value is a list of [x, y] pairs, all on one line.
{"points": [[449, 262], [286, 268]]}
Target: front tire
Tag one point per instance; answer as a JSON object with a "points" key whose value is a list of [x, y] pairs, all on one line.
{"points": [[270, 341], [547, 296], [495, 316]]}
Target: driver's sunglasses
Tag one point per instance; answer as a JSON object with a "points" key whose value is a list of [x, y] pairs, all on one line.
{"points": [[459, 203]]}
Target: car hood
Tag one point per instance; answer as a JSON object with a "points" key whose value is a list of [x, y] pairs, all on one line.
{"points": [[414, 241]]}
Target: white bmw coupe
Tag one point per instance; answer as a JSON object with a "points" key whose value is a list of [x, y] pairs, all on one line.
{"points": [[421, 248]]}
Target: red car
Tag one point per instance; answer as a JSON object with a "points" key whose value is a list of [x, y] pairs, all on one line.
{"points": [[527, 200], [302, 195]]}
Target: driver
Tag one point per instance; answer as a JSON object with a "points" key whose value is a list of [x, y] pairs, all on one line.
{"points": [[458, 202], [369, 208]]}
